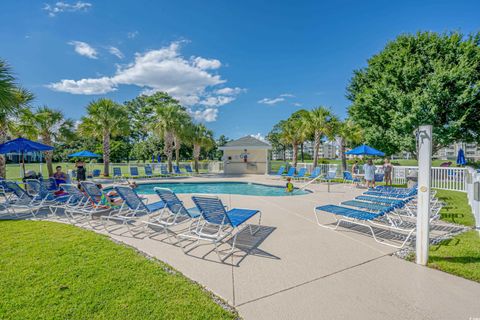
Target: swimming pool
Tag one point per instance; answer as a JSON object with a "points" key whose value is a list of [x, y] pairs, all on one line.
{"points": [[242, 188]]}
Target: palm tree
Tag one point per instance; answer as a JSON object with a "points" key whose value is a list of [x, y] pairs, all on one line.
{"points": [[199, 137], [12, 100], [348, 133], [293, 134], [47, 124], [180, 131], [169, 119], [104, 120], [318, 124]]}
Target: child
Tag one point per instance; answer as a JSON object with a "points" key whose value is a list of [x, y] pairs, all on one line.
{"points": [[289, 186]]}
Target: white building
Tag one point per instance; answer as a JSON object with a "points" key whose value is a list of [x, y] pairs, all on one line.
{"points": [[327, 150]]}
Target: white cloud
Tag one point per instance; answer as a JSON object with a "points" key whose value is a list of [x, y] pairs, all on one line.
{"points": [[206, 64], [206, 115], [165, 69], [230, 91], [297, 104], [116, 52], [258, 136], [60, 6], [132, 34], [85, 86], [84, 49], [271, 101]]}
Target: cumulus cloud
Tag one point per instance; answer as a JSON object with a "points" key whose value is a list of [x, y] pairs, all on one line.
{"points": [[206, 64], [116, 52], [271, 101], [165, 69], [206, 115], [258, 136], [84, 49], [287, 95], [230, 91], [60, 6]]}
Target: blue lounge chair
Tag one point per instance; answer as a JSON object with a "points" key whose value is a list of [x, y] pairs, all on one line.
{"points": [[31, 201], [347, 177], [164, 171], [148, 171], [386, 201], [132, 208], [134, 172], [379, 177], [77, 201], [280, 171], [118, 175], [173, 213], [362, 218], [96, 173], [290, 173], [218, 223], [177, 171], [315, 173], [301, 173], [189, 170]]}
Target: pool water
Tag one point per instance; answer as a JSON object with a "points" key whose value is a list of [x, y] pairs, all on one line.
{"points": [[242, 188]]}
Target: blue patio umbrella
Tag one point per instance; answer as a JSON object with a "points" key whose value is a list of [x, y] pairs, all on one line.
{"points": [[365, 150], [461, 161], [84, 154], [159, 158], [153, 158], [22, 146]]}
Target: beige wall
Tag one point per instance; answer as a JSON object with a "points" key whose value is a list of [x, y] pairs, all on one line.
{"points": [[256, 163]]}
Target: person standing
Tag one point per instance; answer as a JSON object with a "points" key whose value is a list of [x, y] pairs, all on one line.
{"points": [[369, 169], [81, 171], [355, 167], [387, 170]]}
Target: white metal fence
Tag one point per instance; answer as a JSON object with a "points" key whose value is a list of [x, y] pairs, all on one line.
{"points": [[445, 178], [473, 193]]}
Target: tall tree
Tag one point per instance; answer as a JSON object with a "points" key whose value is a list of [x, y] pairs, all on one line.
{"points": [[12, 100], [47, 124], [180, 132], [427, 78], [318, 123], [104, 120], [275, 139], [199, 137], [141, 114], [293, 133], [348, 134]]}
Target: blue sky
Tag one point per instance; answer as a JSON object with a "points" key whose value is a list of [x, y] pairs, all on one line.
{"points": [[239, 66]]}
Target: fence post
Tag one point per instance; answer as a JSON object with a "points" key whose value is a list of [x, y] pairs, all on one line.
{"points": [[424, 139]]}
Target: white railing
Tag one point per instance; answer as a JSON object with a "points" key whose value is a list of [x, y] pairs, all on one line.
{"points": [[324, 167], [473, 193], [445, 178]]}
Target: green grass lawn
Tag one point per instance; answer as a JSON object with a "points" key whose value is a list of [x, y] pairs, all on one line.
{"points": [[461, 254], [55, 271]]}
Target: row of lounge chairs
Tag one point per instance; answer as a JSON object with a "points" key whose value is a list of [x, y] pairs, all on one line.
{"points": [[149, 172], [302, 174], [209, 220], [380, 209]]}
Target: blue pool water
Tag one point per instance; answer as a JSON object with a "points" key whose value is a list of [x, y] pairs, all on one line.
{"points": [[243, 188]]}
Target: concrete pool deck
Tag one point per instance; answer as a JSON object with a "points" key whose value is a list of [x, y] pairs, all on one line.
{"points": [[293, 269]]}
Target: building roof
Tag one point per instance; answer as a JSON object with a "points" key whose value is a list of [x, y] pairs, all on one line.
{"points": [[247, 142]]}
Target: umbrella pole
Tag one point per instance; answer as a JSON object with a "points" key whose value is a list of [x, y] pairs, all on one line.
{"points": [[23, 164]]}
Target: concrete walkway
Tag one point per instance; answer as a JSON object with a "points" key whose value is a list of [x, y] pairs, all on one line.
{"points": [[293, 269]]}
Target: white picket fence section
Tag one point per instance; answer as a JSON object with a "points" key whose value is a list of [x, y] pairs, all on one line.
{"points": [[445, 178], [324, 168], [473, 194]]}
